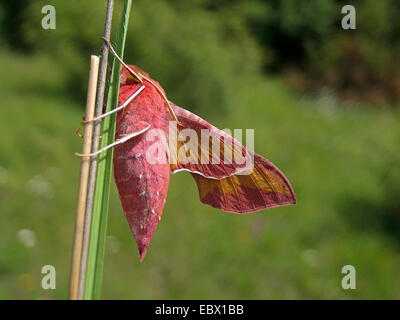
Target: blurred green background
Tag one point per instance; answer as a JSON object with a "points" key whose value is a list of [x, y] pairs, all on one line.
{"points": [[324, 105]]}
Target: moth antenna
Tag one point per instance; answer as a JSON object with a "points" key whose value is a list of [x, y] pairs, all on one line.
{"points": [[133, 96], [119, 141], [133, 73], [171, 111]]}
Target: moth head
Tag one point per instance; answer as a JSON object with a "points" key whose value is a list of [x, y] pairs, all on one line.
{"points": [[128, 78]]}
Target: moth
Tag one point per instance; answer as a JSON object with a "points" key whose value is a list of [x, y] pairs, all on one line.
{"points": [[142, 183]]}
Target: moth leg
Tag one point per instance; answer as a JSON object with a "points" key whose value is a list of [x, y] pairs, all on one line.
{"points": [[119, 141], [133, 96], [140, 78], [78, 133]]}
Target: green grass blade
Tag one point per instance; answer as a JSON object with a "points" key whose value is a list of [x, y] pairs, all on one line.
{"points": [[98, 233]]}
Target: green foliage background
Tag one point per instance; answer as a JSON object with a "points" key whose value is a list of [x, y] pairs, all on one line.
{"points": [[235, 63]]}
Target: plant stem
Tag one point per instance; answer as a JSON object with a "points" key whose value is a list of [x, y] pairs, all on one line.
{"points": [[95, 145], [98, 232], [83, 181]]}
